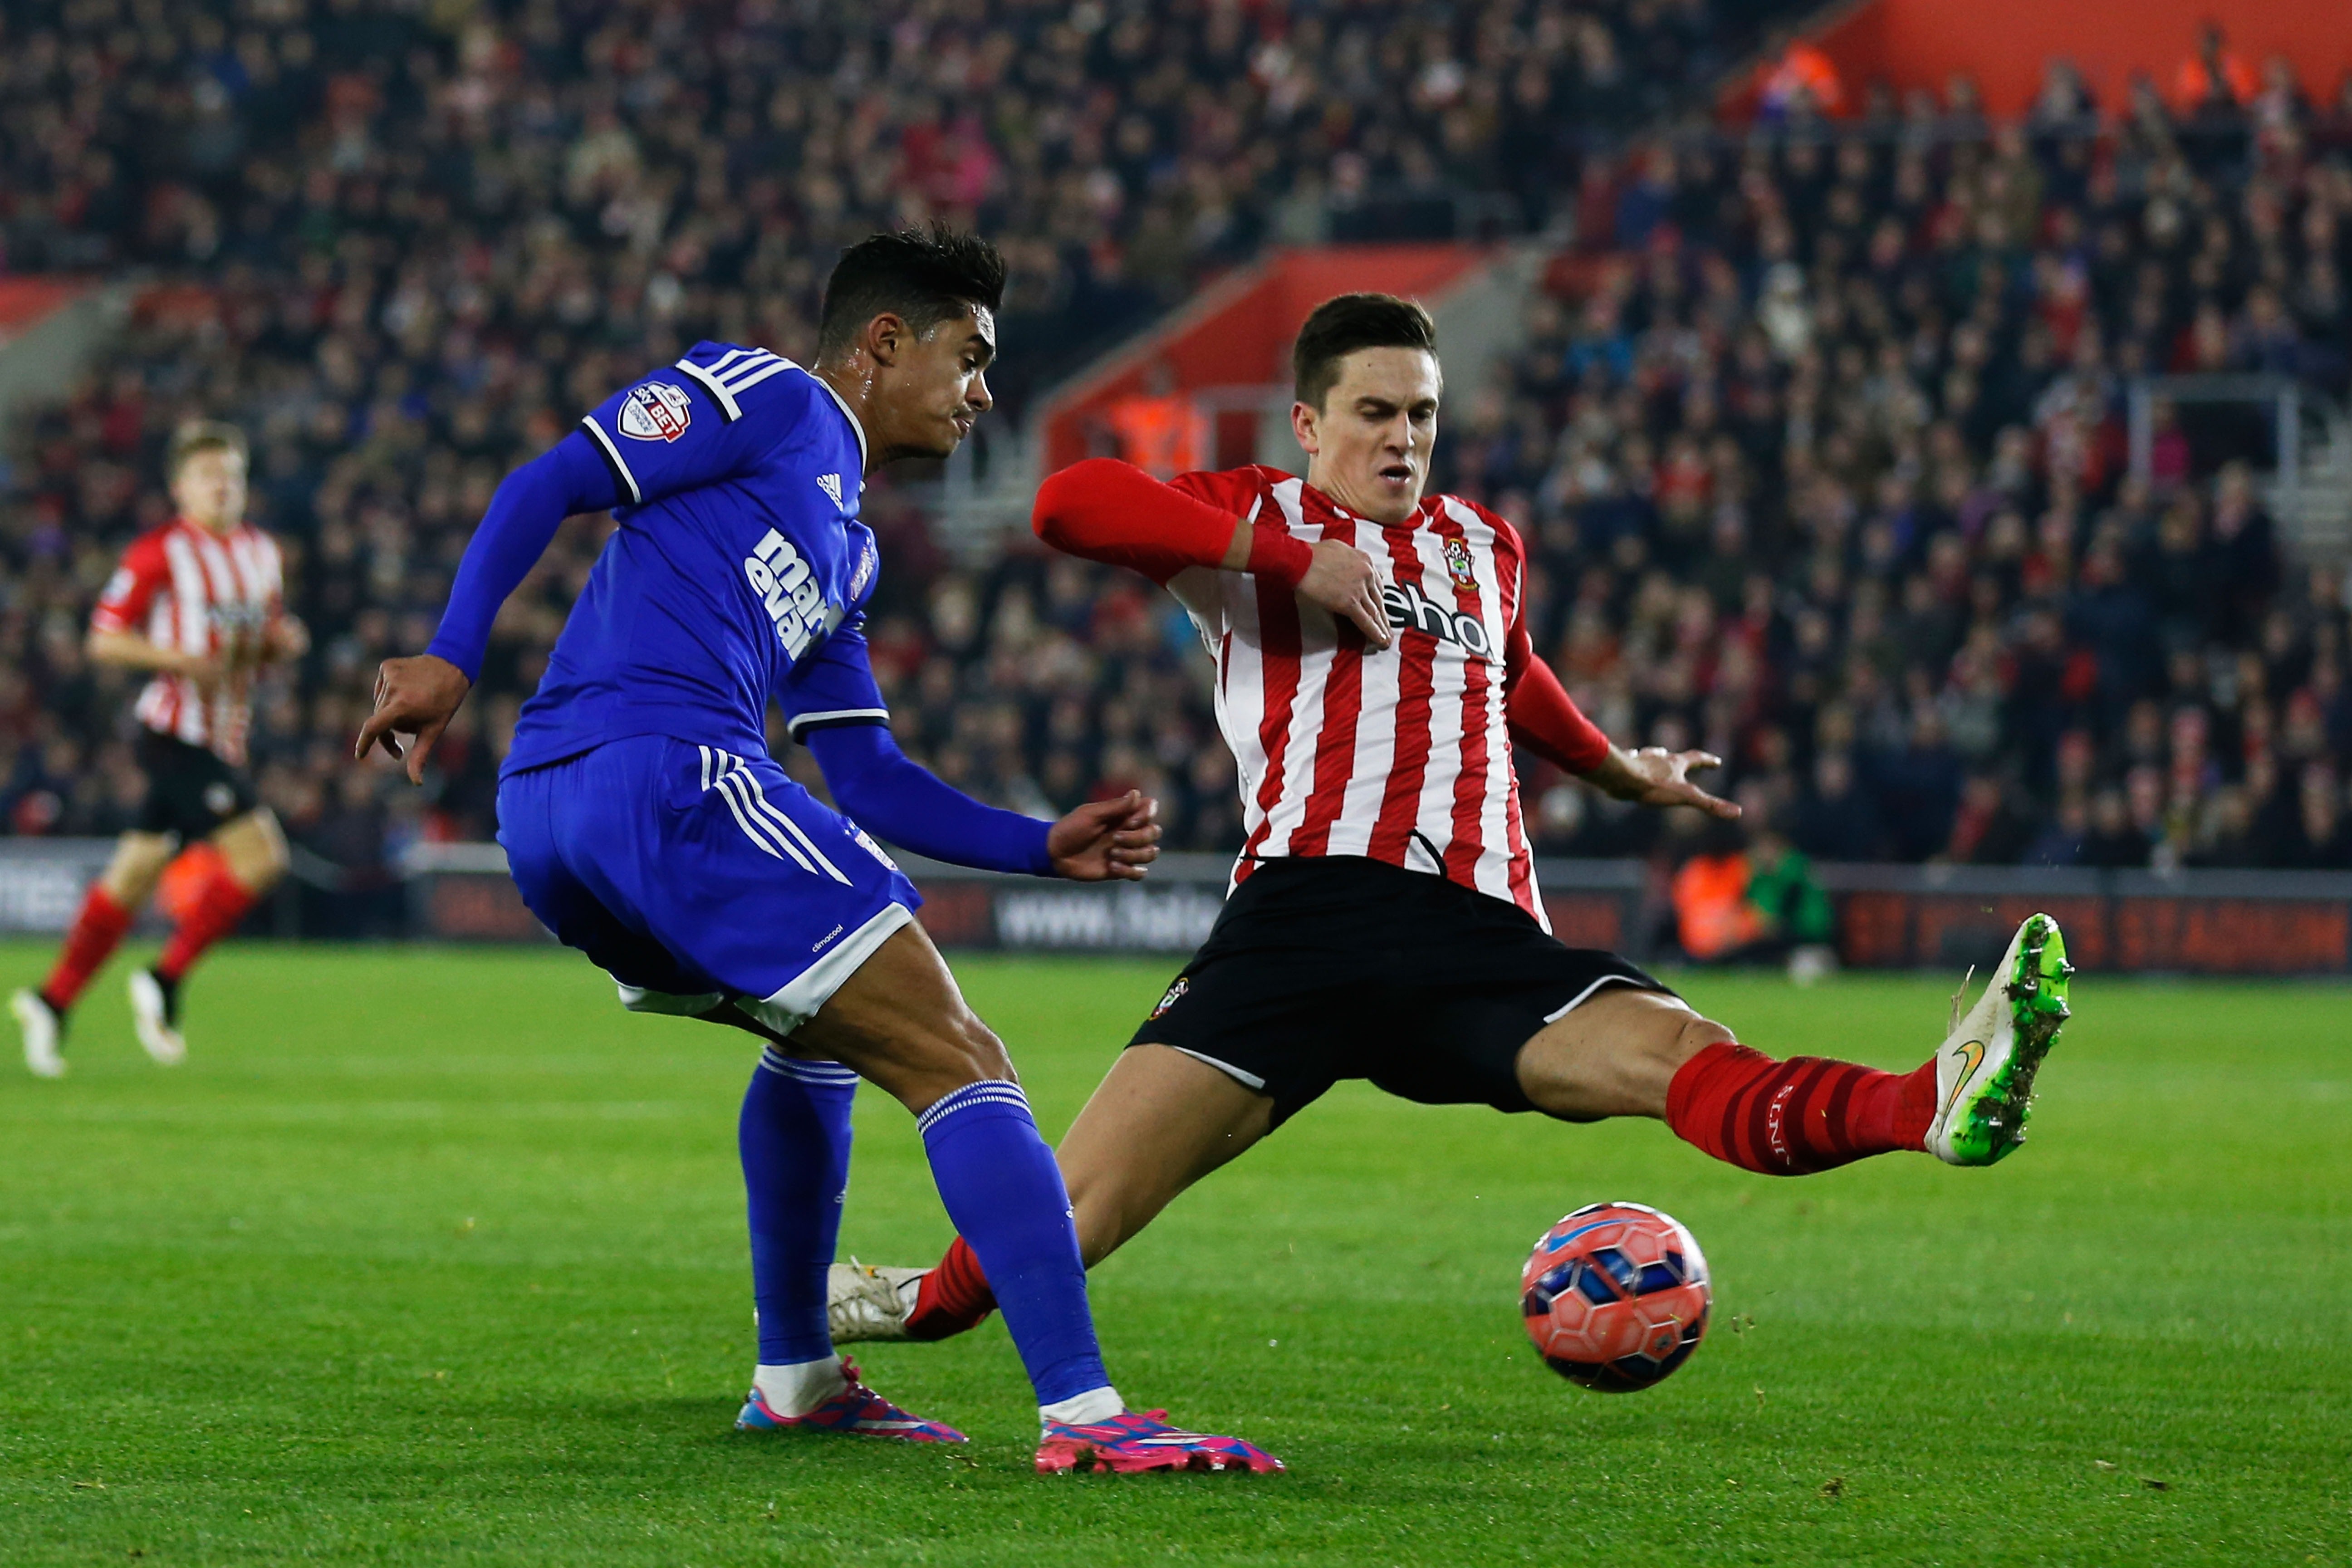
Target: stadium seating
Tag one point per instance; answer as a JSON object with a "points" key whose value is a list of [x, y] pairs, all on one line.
{"points": [[1819, 441], [1827, 462]]}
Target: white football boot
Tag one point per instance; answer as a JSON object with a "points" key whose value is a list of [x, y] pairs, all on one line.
{"points": [[1984, 1070], [42, 1028], [154, 1012], [864, 1302]]}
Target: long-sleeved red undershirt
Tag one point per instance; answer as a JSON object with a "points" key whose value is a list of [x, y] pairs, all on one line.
{"points": [[1106, 511]]}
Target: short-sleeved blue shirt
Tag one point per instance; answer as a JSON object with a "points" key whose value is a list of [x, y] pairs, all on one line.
{"points": [[740, 573]]}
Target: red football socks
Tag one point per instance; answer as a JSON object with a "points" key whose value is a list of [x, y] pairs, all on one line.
{"points": [[95, 932], [217, 910], [1783, 1118], [1796, 1116], [953, 1298]]}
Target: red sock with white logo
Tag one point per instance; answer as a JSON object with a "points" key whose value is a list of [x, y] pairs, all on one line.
{"points": [[95, 932], [1795, 1117], [953, 1298], [216, 912]]}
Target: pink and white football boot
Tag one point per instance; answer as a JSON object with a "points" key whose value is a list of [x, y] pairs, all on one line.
{"points": [[855, 1412], [1128, 1443]]}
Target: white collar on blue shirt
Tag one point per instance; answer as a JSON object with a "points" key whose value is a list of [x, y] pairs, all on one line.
{"points": [[846, 413]]}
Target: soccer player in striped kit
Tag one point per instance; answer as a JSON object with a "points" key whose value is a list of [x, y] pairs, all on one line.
{"points": [[1374, 673], [199, 603]]}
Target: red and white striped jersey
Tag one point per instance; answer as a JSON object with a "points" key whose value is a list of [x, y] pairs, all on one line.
{"points": [[187, 587], [1403, 754]]}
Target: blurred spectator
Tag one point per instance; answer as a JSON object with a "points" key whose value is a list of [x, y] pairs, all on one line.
{"points": [[1802, 82], [1714, 920], [2214, 77], [2113, 842], [1159, 430], [2325, 843], [1788, 899], [2065, 98], [1838, 820]]}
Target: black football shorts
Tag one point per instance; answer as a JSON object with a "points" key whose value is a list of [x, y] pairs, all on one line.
{"points": [[190, 791], [1338, 967]]}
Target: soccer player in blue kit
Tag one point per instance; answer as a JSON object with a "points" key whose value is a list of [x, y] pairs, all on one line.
{"points": [[646, 825]]}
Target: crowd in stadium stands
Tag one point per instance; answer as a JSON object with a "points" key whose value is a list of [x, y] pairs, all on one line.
{"points": [[1821, 452], [1827, 468], [427, 235], [620, 172], [1818, 446]]}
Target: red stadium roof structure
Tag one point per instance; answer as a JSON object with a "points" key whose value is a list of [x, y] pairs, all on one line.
{"points": [[2004, 44], [1238, 332]]}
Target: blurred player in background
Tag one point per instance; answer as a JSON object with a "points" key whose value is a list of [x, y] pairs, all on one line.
{"points": [[1374, 672], [198, 602], [647, 825]]}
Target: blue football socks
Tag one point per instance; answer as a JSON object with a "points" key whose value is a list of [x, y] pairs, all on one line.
{"points": [[1006, 1196], [794, 1137]]}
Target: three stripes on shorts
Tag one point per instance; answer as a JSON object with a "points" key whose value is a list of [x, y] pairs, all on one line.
{"points": [[761, 823]]}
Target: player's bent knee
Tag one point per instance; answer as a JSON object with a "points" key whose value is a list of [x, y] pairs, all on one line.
{"points": [[1616, 1058], [960, 1052], [138, 864], [982, 1054], [1695, 1035], [254, 850]]}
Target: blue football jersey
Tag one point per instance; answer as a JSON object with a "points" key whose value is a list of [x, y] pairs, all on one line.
{"points": [[739, 573]]}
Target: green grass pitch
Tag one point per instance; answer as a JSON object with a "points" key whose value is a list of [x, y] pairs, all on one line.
{"points": [[431, 1255]]}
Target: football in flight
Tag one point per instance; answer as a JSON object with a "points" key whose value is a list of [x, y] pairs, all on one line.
{"points": [[1616, 1295]]}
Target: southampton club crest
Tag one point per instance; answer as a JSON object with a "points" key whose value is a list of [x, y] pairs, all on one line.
{"points": [[1457, 562], [1175, 994], [656, 412]]}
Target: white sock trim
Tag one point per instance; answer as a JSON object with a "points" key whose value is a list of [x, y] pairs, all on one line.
{"points": [[1084, 1409], [800, 1387], [987, 1091], [816, 1072]]}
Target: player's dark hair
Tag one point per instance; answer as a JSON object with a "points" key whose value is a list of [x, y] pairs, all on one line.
{"points": [[201, 436], [924, 276], [1346, 323]]}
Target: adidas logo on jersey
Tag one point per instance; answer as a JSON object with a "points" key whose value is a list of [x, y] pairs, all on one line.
{"points": [[831, 485], [1411, 610], [789, 590]]}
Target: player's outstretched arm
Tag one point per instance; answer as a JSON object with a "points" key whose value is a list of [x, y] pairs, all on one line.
{"points": [[1546, 721], [1655, 776], [1106, 511], [889, 794], [417, 696]]}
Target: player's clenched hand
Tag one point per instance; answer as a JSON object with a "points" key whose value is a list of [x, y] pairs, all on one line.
{"points": [[1343, 580], [206, 670], [1655, 776], [1107, 840], [412, 697], [287, 639]]}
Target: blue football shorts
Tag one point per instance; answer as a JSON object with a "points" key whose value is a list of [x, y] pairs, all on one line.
{"points": [[694, 876]]}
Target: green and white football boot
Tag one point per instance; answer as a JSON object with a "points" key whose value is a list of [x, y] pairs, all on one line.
{"points": [[1984, 1070]]}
